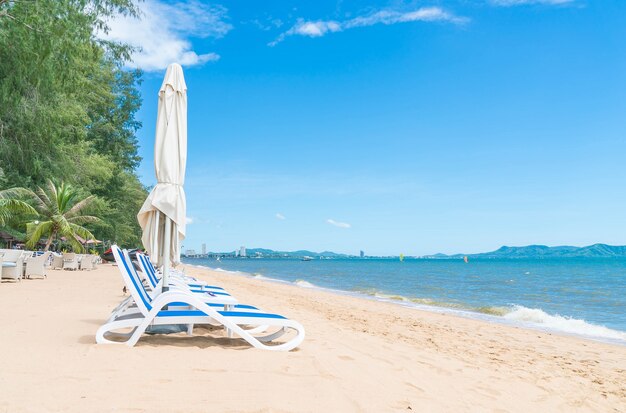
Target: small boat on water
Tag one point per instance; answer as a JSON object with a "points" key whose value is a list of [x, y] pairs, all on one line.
{"points": [[307, 258]]}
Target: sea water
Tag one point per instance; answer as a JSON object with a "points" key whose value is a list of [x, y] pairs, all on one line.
{"points": [[581, 296]]}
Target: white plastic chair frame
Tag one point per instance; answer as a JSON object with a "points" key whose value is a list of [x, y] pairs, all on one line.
{"points": [[198, 312]]}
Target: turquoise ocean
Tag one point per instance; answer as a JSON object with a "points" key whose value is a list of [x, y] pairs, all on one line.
{"points": [[579, 296]]}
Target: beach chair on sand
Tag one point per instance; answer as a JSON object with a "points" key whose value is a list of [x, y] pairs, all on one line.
{"points": [[194, 311], [70, 261], [86, 263], [36, 265], [177, 279], [223, 301], [13, 264], [57, 261]]}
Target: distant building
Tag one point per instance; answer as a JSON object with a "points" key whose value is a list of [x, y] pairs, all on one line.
{"points": [[190, 253], [203, 249], [362, 254], [242, 251]]}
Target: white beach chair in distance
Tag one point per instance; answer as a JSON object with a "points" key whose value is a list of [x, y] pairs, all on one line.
{"points": [[198, 312], [37, 265], [13, 264], [86, 263], [57, 261], [70, 261]]}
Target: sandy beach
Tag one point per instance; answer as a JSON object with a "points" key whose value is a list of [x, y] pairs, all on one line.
{"points": [[359, 355]]}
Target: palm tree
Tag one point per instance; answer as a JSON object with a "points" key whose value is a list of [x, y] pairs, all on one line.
{"points": [[11, 204], [60, 214]]}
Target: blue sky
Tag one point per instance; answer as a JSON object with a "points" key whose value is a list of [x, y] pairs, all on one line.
{"points": [[394, 127]]}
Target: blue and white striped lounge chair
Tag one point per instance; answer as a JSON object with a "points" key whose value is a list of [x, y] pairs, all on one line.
{"points": [[214, 299], [176, 279], [195, 311]]}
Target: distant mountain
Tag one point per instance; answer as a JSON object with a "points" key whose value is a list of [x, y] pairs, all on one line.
{"points": [[543, 251], [251, 252]]}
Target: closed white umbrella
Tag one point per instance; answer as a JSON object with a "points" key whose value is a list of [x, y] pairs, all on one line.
{"points": [[162, 216]]}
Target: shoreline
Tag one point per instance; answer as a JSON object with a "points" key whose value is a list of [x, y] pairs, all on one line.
{"points": [[358, 355], [456, 312]]}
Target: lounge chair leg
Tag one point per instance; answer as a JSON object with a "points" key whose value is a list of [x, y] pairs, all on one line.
{"points": [[229, 332], [190, 329]]}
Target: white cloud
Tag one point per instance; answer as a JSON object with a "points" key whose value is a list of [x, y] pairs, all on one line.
{"points": [[315, 29], [393, 17], [280, 216], [322, 27], [188, 220], [338, 224], [163, 30], [523, 2], [267, 24]]}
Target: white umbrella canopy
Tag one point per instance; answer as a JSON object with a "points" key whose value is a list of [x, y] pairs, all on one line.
{"points": [[163, 214]]}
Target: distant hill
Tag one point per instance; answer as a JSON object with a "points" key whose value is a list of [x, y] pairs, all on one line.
{"points": [[251, 252], [543, 251], [529, 251]]}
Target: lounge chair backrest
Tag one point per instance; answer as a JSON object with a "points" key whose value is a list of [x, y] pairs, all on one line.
{"points": [[57, 261], [36, 265], [15, 260], [148, 269], [43, 258], [70, 261], [136, 288], [12, 255], [86, 263]]}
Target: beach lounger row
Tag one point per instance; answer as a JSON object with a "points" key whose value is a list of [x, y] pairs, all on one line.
{"points": [[72, 261], [18, 264], [189, 302]]}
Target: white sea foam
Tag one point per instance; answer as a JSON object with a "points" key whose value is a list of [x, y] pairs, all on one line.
{"points": [[563, 324], [218, 269], [305, 284], [259, 276], [390, 297]]}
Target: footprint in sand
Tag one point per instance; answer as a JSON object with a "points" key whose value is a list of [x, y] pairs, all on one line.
{"points": [[414, 387], [492, 393]]}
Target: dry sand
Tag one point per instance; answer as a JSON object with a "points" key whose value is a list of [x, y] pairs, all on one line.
{"points": [[359, 355]]}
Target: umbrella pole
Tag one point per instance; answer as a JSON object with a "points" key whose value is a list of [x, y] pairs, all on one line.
{"points": [[167, 247]]}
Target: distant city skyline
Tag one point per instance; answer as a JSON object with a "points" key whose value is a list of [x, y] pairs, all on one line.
{"points": [[398, 128]]}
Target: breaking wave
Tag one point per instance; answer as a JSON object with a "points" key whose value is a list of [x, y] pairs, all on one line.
{"points": [[305, 284], [562, 324]]}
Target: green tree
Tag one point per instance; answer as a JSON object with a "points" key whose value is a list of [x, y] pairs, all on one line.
{"points": [[68, 105], [11, 203], [60, 212]]}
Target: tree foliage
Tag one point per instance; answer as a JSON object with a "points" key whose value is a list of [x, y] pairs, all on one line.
{"points": [[11, 204], [61, 212], [68, 106]]}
